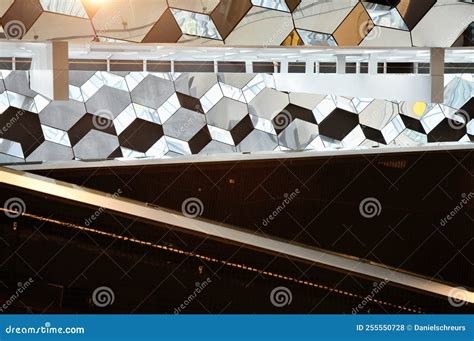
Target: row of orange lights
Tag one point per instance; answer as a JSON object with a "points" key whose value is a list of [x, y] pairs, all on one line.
{"points": [[214, 260]]}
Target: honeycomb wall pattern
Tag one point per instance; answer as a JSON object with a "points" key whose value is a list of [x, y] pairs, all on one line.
{"points": [[431, 23], [139, 114]]}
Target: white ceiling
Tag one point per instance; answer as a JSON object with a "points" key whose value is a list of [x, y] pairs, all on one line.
{"points": [[173, 52]]}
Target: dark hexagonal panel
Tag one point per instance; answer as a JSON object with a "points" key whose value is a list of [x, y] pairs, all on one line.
{"points": [[140, 135], [290, 113], [189, 102], [86, 124], [373, 134], [338, 124], [200, 140], [447, 131], [412, 123], [241, 130], [23, 127]]}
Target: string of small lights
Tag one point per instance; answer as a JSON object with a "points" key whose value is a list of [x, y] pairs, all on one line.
{"points": [[212, 260]]}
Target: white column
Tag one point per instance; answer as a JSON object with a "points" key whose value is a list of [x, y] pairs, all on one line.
{"points": [[317, 67], [284, 66], [216, 68], [248, 66], [341, 64], [373, 64], [357, 67], [309, 67]]}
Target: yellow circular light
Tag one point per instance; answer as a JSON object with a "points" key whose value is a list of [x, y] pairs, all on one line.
{"points": [[419, 108]]}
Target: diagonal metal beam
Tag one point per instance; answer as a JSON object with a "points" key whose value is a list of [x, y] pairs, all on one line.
{"points": [[133, 208]]}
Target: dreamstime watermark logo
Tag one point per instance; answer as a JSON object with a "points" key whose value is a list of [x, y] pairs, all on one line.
{"points": [[46, 329], [288, 199], [11, 122], [199, 288], [14, 207], [281, 296], [20, 290], [282, 120], [192, 207], [103, 297], [14, 29], [460, 120], [103, 119], [378, 286], [458, 296], [89, 220], [370, 207], [191, 121], [464, 201]]}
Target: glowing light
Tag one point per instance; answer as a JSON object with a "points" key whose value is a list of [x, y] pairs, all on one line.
{"points": [[419, 108]]}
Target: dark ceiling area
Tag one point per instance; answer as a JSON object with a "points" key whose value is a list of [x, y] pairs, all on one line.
{"points": [[416, 191], [313, 201], [153, 268]]}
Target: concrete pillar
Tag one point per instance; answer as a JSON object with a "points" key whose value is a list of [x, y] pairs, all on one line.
{"points": [[437, 74], [49, 74]]}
